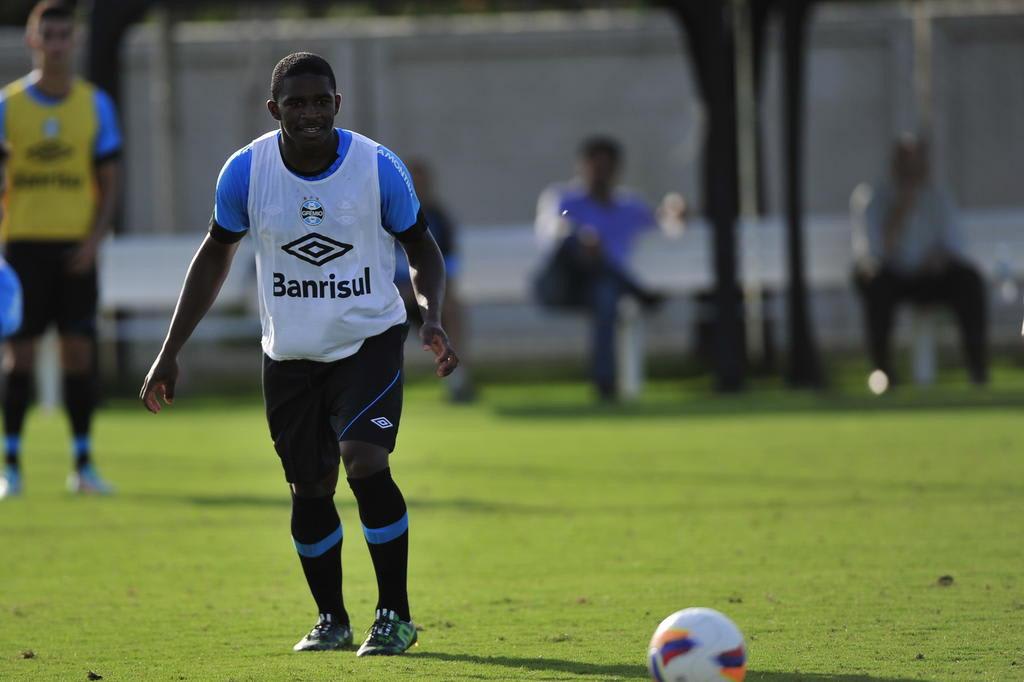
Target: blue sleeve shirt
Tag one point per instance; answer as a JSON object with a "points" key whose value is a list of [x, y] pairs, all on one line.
{"points": [[108, 137], [10, 300], [399, 204], [618, 223]]}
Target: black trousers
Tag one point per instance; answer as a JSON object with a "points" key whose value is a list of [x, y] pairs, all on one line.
{"points": [[957, 285]]}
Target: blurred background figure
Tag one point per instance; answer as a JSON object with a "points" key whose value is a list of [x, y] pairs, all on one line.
{"points": [[460, 384], [595, 224], [910, 248], [10, 290], [63, 154]]}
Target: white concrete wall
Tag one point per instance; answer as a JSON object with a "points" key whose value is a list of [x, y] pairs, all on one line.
{"points": [[499, 103]]}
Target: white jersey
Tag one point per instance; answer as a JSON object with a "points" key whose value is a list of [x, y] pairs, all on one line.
{"points": [[324, 263]]}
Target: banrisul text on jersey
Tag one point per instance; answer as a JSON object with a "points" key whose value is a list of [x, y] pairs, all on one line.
{"points": [[331, 287]]}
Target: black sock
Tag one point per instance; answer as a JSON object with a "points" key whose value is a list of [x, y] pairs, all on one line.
{"points": [[316, 530], [80, 403], [386, 527], [16, 401]]}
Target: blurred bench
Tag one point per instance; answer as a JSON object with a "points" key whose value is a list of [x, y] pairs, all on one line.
{"points": [[142, 275], [498, 261]]}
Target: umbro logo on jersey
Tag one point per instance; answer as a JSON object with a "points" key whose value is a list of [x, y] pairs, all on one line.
{"points": [[317, 249], [382, 422], [49, 150]]}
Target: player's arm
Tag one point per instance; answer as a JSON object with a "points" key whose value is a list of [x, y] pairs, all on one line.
{"points": [[108, 182], [206, 275], [427, 273], [402, 217]]}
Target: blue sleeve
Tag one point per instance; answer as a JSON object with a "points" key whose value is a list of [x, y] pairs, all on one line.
{"points": [[108, 139], [645, 218], [231, 209], [399, 204], [10, 300]]}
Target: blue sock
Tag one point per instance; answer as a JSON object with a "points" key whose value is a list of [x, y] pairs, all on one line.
{"points": [[81, 449], [12, 448]]}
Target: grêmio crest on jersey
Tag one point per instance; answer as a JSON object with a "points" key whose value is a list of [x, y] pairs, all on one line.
{"points": [[311, 211]]}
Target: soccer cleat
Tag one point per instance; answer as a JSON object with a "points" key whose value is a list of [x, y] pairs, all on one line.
{"points": [[388, 636], [10, 484], [326, 635], [86, 481]]}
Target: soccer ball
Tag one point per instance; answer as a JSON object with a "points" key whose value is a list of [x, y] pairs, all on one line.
{"points": [[697, 645]]}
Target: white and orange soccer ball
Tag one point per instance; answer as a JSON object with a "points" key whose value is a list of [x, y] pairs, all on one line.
{"points": [[697, 645]]}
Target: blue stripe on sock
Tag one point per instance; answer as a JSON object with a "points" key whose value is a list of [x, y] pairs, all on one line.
{"points": [[318, 548], [374, 402], [12, 443], [82, 445], [378, 536]]}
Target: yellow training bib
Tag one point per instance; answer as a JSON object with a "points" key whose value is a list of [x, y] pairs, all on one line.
{"points": [[51, 183]]}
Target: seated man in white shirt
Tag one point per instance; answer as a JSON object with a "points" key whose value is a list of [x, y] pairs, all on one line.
{"points": [[909, 247]]}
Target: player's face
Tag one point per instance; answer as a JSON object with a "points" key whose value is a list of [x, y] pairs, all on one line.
{"points": [[306, 106], [598, 171], [53, 40]]}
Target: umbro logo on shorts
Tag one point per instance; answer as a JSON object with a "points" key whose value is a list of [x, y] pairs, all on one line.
{"points": [[317, 249], [382, 422]]}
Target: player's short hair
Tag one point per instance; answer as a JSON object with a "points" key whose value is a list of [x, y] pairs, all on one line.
{"points": [[300, 64], [49, 9], [601, 145]]}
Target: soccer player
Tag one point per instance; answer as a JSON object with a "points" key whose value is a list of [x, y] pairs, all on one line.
{"points": [[324, 206], [61, 193]]}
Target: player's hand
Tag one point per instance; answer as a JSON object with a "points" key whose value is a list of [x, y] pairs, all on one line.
{"points": [[159, 383], [83, 258], [436, 341]]}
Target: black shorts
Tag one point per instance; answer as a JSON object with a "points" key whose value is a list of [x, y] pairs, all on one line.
{"points": [[50, 293], [312, 406]]}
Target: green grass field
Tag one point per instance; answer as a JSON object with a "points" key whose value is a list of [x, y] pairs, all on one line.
{"points": [[549, 538]]}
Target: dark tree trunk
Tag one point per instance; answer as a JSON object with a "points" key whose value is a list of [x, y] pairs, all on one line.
{"points": [[804, 367], [708, 28]]}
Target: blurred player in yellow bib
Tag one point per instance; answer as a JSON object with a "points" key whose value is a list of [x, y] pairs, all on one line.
{"points": [[62, 172]]}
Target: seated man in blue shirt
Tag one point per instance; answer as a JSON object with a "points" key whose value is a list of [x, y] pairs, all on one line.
{"points": [[600, 223]]}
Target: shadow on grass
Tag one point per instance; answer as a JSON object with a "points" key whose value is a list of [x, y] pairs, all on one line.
{"points": [[631, 672], [276, 501], [755, 676], [843, 493], [550, 665], [791, 402]]}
